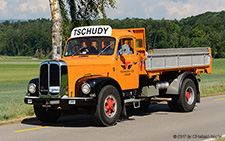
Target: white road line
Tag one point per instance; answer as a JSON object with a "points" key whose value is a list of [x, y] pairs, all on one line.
{"points": [[214, 139]]}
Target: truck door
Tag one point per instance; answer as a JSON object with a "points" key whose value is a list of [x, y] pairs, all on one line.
{"points": [[127, 64]]}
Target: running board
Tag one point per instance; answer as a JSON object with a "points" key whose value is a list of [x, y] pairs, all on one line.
{"points": [[134, 101], [161, 99]]}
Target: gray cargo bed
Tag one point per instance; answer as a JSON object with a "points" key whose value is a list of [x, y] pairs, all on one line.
{"points": [[177, 58]]}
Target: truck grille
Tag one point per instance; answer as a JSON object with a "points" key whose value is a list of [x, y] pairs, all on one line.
{"points": [[51, 75], [54, 75], [44, 79]]}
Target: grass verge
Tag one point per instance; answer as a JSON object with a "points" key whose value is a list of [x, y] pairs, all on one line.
{"points": [[221, 139], [11, 101], [214, 84], [15, 73]]}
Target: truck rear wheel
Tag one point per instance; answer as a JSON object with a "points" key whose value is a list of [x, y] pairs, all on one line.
{"points": [[187, 98], [46, 115], [108, 108]]}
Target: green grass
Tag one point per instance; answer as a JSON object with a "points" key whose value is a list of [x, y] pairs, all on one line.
{"points": [[221, 139], [15, 73], [214, 83], [11, 101]]}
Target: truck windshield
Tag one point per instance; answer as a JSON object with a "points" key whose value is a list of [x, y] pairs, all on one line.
{"points": [[90, 46]]}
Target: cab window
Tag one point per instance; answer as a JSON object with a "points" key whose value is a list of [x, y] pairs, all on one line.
{"points": [[126, 46], [90, 46]]}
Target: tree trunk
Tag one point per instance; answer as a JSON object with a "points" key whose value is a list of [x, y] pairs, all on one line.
{"points": [[56, 29]]}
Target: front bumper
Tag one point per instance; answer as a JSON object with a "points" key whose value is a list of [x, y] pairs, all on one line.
{"points": [[73, 101]]}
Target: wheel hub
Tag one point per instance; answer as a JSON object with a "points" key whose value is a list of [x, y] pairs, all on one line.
{"points": [[189, 95], [110, 106]]}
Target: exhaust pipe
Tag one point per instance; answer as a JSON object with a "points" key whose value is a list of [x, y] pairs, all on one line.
{"points": [[162, 85]]}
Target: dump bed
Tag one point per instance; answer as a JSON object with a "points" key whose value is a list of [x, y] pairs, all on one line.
{"points": [[179, 58]]}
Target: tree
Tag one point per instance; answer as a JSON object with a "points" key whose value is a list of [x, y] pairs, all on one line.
{"points": [[25, 38], [81, 12], [56, 29]]}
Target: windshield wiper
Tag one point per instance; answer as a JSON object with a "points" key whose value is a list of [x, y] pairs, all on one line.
{"points": [[105, 48], [77, 51]]}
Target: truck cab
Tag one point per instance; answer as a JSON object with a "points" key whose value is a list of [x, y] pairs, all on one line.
{"points": [[107, 69], [112, 55]]}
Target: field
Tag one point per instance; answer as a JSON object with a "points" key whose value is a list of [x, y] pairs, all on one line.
{"points": [[15, 72], [214, 83]]}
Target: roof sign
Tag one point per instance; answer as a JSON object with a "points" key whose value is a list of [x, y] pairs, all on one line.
{"points": [[87, 31]]}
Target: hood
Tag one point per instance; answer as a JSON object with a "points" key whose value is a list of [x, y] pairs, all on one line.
{"points": [[88, 65], [80, 67]]}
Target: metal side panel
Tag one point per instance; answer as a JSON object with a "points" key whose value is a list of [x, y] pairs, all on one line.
{"points": [[160, 59], [180, 50]]}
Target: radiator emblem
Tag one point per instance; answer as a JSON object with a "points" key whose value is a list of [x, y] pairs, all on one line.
{"points": [[54, 89]]}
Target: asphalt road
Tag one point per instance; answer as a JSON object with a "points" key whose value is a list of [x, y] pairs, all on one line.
{"points": [[157, 123]]}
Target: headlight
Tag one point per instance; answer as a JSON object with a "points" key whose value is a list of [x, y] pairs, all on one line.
{"points": [[32, 88], [86, 88]]}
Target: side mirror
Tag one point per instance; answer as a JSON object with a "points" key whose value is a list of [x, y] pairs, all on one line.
{"points": [[120, 52]]}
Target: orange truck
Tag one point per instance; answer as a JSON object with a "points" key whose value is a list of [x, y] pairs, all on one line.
{"points": [[105, 70]]}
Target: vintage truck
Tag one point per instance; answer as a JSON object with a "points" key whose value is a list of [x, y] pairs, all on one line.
{"points": [[105, 70]]}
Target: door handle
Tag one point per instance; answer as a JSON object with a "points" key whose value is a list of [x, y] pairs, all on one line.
{"points": [[135, 63]]}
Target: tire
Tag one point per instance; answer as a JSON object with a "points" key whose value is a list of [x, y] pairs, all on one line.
{"points": [[108, 108], [46, 115], [188, 95]]}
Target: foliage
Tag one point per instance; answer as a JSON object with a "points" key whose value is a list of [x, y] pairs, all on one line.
{"points": [[33, 37], [25, 38], [205, 30], [65, 22], [83, 11]]}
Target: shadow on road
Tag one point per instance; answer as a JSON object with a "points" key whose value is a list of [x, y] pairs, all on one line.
{"points": [[82, 120], [67, 120]]}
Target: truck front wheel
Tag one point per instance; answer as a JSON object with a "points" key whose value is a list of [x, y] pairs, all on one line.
{"points": [[108, 108], [46, 115]]}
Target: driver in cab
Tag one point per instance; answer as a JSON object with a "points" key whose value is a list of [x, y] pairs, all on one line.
{"points": [[90, 49], [108, 50]]}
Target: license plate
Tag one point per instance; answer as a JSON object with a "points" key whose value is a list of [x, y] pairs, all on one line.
{"points": [[54, 102]]}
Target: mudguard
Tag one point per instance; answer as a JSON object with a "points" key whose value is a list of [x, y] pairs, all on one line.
{"points": [[96, 83], [175, 86]]}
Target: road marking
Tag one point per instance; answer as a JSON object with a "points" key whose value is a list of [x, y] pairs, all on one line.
{"points": [[214, 139], [219, 99], [30, 129]]}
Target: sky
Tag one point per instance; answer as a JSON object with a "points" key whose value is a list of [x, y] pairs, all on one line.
{"points": [[155, 9]]}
